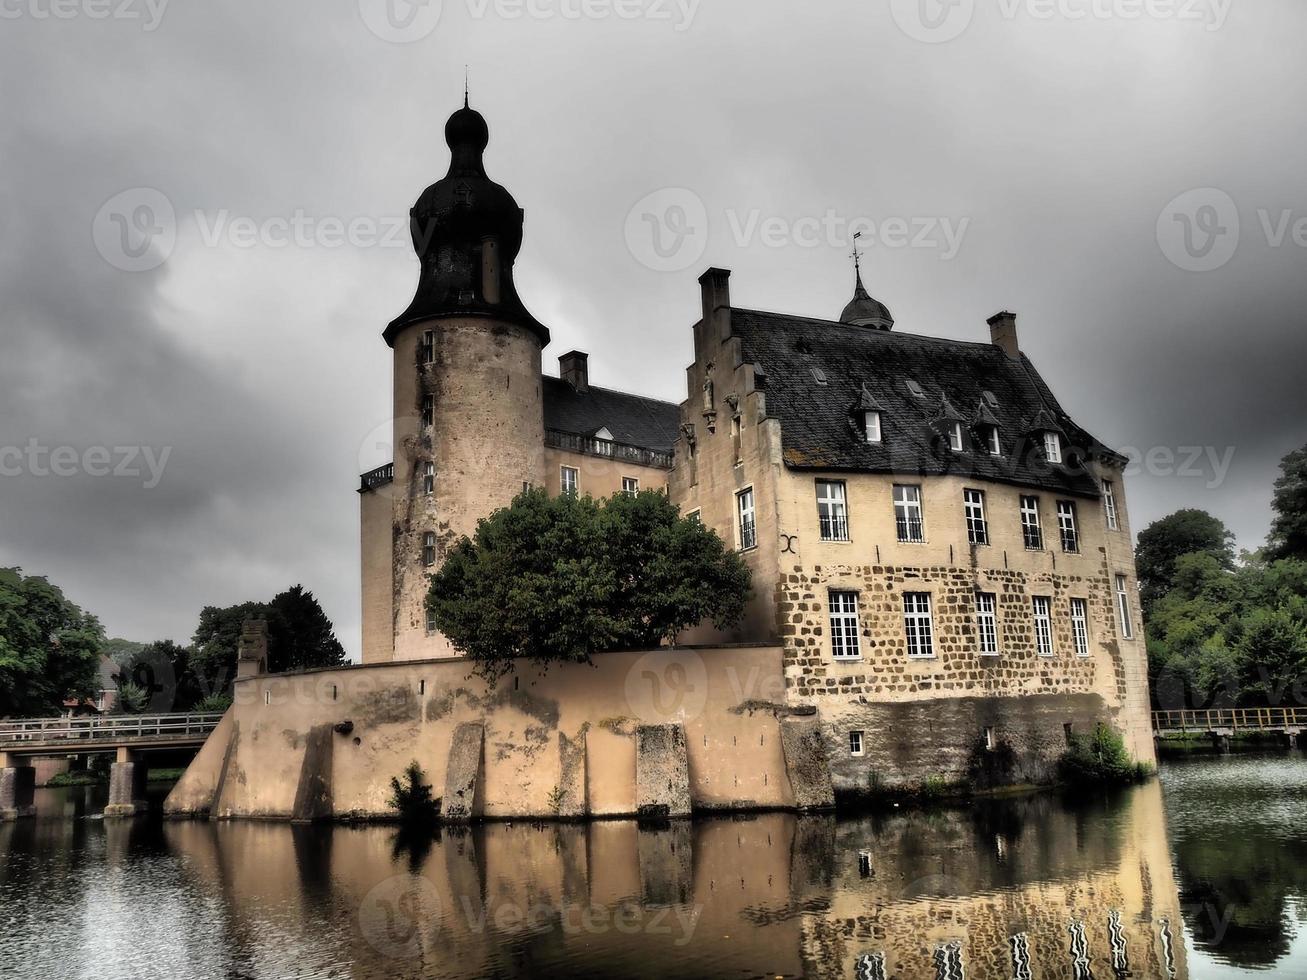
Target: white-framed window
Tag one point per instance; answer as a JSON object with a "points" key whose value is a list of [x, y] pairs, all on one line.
{"points": [[747, 519], [832, 510], [1043, 609], [429, 549], [428, 411], [855, 743], [844, 632], [1031, 530], [431, 628], [908, 517], [570, 479], [977, 527], [695, 516], [1052, 447], [991, 742], [918, 625], [428, 478], [1109, 505], [1123, 607], [871, 426], [1080, 626], [987, 624], [427, 351], [955, 437], [1067, 527], [630, 486], [993, 442]]}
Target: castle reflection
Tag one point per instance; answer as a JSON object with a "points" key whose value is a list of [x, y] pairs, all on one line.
{"points": [[1026, 888]]}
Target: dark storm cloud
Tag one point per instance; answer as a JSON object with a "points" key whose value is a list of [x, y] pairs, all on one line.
{"points": [[1043, 151]]}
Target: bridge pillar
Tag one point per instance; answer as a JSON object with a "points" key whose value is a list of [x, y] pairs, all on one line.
{"points": [[1220, 742], [17, 790], [127, 778]]}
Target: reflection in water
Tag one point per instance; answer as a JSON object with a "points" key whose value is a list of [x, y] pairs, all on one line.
{"points": [[1027, 888]]}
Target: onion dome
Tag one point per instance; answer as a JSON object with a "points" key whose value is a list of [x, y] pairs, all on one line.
{"points": [[467, 232], [863, 311]]}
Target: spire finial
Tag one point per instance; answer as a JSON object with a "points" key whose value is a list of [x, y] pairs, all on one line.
{"points": [[857, 264], [466, 73]]}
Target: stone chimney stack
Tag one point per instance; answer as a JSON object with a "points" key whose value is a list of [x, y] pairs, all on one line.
{"points": [[573, 367], [717, 301], [1003, 333]]}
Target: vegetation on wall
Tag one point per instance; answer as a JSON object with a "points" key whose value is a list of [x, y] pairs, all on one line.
{"points": [[1099, 759], [559, 579], [49, 648], [1224, 632], [412, 799]]}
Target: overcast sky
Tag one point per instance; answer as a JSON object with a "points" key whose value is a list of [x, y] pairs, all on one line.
{"points": [[1012, 154]]}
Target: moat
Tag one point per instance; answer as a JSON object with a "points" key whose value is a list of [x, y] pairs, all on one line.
{"points": [[1202, 874]]}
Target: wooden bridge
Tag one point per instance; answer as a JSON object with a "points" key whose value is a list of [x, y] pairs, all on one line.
{"points": [[57, 736], [1220, 723]]}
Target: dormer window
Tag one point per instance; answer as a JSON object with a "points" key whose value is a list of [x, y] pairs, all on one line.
{"points": [[871, 426], [955, 437], [1053, 447], [992, 441]]}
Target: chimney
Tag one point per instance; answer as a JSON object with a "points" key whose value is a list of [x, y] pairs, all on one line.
{"points": [[572, 368], [1003, 333], [717, 300]]}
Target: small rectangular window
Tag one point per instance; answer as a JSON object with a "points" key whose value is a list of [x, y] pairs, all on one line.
{"points": [[747, 526], [428, 349], [695, 517], [844, 625], [908, 517], [918, 625], [429, 478], [994, 441], [570, 479], [1031, 530], [955, 437], [1043, 609], [871, 420], [832, 510], [1109, 505], [977, 526], [1080, 626], [1052, 447], [987, 623], [737, 443], [428, 411], [630, 486], [855, 743], [991, 742], [1123, 608], [429, 548], [431, 623], [1066, 525], [422, 687]]}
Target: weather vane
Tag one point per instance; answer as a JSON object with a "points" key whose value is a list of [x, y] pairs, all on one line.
{"points": [[857, 255]]}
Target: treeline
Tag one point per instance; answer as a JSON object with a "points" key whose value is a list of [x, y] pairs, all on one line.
{"points": [[50, 651], [1227, 631]]}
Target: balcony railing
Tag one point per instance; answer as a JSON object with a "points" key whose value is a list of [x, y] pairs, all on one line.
{"points": [[589, 446], [377, 478]]}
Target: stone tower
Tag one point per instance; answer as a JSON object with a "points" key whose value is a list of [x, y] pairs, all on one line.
{"points": [[468, 417]]}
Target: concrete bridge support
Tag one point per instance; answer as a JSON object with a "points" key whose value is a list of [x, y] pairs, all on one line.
{"points": [[1220, 742], [17, 789], [127, 777]]}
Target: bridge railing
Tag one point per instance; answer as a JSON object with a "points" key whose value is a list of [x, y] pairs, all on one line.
{"points": [[1239, 719], [21, 731]]}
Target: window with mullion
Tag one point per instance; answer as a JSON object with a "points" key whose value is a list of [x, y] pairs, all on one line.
{"points": [[748, 527], [832, 510], [1043, 610], [918, 625], [1031, 530], [1066, 525], [908, 518], [1109, 506], [1123, 608], [977, 526], [1080, 626], [987, 623], [844, 625]]}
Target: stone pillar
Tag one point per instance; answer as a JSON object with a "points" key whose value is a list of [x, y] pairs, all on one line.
{"points": [[662, 772], [252, 649], [17, 790], [127, 778]]}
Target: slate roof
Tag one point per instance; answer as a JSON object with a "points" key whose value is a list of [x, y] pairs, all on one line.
{"points": [[818, 431], [632, 419]]}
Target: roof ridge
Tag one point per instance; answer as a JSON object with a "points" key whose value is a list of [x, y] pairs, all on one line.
{"points": [[852, 328], [615, 391]]}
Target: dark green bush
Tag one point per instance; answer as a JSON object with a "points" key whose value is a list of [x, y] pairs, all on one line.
{"points": [[1099, 758], [412, 798]]}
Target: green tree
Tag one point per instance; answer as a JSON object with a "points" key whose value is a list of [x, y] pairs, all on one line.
{"points": [[300, 636], [49, 648], [559, 579], [1288, 538], [1182, 533], [162, 670], [213, 647]]}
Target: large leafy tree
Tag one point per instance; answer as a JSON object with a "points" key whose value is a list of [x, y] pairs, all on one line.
{"points": [[49, 648], [1185, 532], [558, 579], [1288, 538]]}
